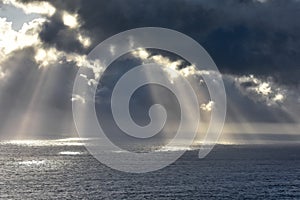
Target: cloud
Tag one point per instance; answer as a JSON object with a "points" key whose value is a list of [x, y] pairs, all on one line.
{"points": [[51, 56], [168, 65], [207, 107], [243, 37], [261, 90], [46, 57], [70, 20], [37, 81], [260, 99], [11, 40], [184, 68], [85, 41], [278, 98], [147, 56], [76, 97], [28, 36], [38, 7]]}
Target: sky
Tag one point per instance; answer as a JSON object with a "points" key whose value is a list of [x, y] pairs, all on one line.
{"points": [[254, 43]]}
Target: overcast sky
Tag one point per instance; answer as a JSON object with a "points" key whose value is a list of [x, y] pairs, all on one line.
{"points": [[255, 44]]}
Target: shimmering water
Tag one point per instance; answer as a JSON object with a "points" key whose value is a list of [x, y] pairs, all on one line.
{"points": [[63, 169]]}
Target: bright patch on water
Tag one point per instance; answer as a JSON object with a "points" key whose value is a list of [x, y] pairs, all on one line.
{"points": [[41, 172], [175, 148], [39, 143], [32, 162], [71, 153]]}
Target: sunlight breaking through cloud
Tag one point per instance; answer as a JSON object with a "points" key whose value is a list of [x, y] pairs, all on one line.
{"points": [[76, 97], [85, 41], [70, 20], [47, 57], [207, 107], [146, 57], [28, 36], [71, 45], [11, 40], [261, 90]]}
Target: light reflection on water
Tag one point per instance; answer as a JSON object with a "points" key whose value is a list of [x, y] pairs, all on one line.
{"points": [[39, 155], [91, 141], [49, 170], [56, 142], [70, 153], [32, 162]]}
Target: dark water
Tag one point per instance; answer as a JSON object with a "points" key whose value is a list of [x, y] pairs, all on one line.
{"points": [[66, 171]]}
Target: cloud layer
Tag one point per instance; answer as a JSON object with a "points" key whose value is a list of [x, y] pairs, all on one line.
{"points": [[248, 36], [255, 44]]}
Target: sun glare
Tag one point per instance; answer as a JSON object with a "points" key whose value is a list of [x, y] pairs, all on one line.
{"points": [[70, 20]]}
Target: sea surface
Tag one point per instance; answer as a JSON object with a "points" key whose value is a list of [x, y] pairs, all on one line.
{"points": [[63, 169]]}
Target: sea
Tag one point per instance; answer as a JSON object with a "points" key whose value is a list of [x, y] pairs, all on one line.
{"points": [[64, 169]]}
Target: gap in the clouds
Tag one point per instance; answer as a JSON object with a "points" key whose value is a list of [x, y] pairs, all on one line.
{"points": [[16, 15]]}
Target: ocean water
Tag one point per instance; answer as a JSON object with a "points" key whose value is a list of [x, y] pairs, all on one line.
{"points": [[63, 169]]}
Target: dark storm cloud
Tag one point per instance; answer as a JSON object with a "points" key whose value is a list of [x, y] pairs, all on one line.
{"points": [[243, 36], [63, 38]]}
